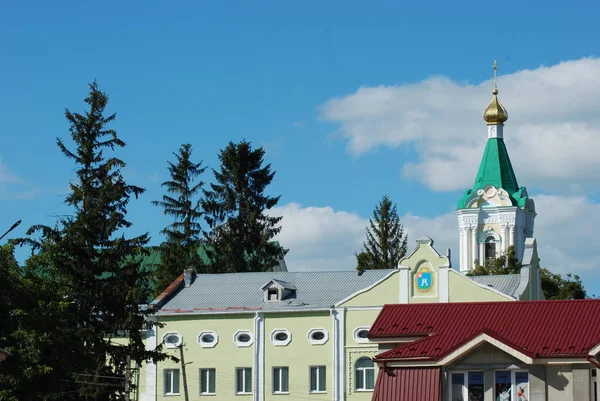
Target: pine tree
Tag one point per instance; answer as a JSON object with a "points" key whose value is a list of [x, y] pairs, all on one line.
{"points": [[93, 265], [386, 240], [179, 251], [235, 208]]}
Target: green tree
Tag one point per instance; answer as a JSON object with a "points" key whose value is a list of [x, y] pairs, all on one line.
{"points": [[236, 208], [34, 327], [386, 239], [554, 286], [183, 237], [507, 263], [94, 267]]}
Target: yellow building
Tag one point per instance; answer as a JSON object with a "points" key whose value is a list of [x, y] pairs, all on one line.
{"points": [[298, 335]]}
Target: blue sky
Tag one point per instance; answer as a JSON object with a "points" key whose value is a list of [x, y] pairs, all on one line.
{"points": [[299, 79]]}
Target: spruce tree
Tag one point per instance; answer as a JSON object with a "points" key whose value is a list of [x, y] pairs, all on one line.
{"points": [[386, 240], [93, 265], [236, 211], [179, 251]]}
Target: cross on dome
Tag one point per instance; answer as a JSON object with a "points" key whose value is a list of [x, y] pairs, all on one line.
{"points": [[495, 113]]}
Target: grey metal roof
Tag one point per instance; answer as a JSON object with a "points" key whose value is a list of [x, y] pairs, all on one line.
{"points": [[242, 292], [505, 283], [282, 284]]}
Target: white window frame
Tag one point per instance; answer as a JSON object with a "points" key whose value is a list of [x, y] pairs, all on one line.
{"points": [[363, 372], [169, 345], [318, 367], [280, 369], [245, 372], [204, 344], [513, 382], [357, 338], [169, 372], [317, 342], [208, 372], [242, 344], [465, 385], [280, 343]]}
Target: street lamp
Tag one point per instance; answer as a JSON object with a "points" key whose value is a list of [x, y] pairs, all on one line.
{"points": [[10, 229]]}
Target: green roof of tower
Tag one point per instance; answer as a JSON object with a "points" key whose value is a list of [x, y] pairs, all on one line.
{"points": [[496, 169]]}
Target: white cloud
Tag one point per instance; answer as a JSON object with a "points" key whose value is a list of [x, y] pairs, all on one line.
{"points": [[7, 176], [321, 238], [564, 229], [552, 132], [12, 187]]}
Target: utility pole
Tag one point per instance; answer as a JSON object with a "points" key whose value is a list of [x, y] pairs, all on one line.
{"points": [[185, 388], [128, 378]]}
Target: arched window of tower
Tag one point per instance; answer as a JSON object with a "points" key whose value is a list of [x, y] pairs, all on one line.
{"points": [[490, 247]]}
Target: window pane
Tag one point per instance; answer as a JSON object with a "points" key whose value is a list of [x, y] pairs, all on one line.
{"points": [[248, 379], [176, 381], [322, 378], [503, 385], [285, 380], [212, 377], [167, 381], [276, 381], [522, 384], [364, 363], [475, 385], [203, 382], [458, 381], [239, 380], [360, 379], [370, 379], [313, 378]]}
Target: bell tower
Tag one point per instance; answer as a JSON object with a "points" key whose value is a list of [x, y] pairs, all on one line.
{"points": [[496, 213]]}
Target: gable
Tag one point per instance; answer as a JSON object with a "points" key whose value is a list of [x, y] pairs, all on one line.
{"points": [[382, 292], [463, 289], [486, 355]]}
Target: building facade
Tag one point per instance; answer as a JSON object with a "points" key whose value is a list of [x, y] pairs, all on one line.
{"points": [[523, 351], [267, 336]]}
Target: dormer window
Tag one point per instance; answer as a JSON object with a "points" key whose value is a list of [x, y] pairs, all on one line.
{"points": [[278, 290]]}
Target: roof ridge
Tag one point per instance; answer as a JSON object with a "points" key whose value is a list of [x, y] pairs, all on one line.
{"points": [[296, 272]]}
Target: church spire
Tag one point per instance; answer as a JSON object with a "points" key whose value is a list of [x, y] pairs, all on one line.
{"points": [[496, 212], [495, 113]]}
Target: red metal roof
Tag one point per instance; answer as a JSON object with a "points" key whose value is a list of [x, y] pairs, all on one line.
{"points": [[408, 384], [174, 286], [535, 328]]}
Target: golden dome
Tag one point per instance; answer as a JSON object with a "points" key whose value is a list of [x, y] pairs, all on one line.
{"points": [[495, 113]]}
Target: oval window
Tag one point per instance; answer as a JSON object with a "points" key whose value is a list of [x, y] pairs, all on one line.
{"points": [[208, 338], [244, 338], [363, 334], [281, 336], [172, 339], [318, 335]]}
